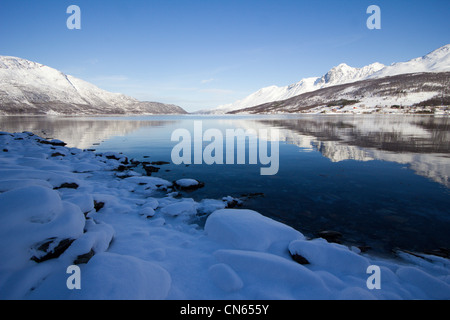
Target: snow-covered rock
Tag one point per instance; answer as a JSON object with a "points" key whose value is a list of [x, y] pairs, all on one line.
{"points": [[239, 254], [184, 207], [188, 184], [329, 256], [111, 276], [31, 215], [249, 230]]}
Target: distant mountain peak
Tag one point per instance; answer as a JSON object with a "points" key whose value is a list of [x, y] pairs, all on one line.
{"points": [[442, 51], [343, 73], [8, 62]]}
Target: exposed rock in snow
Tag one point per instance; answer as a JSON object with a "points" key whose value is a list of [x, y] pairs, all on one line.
{"points": [[188, 184]]}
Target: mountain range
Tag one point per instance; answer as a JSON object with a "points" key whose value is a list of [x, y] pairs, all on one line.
{"points": [[31, 88], [279, 98]]}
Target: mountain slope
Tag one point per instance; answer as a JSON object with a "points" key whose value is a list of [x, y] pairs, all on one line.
{"points": [[436, 61], [28, 87], [338, 75], [412, 89]]}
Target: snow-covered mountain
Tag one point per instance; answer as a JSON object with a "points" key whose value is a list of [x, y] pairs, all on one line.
{"points": [[28, 87], [338, 75], [436, 61], [403, 93]]}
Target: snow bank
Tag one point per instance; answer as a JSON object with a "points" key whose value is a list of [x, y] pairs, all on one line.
{"points": [[184, 207], [249, 230], [119, 277], [134, 238], [329, 256], [31, 215], [275, 272]]}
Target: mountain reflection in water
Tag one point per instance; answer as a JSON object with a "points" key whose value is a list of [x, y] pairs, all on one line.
{"points": [[380, 180]]}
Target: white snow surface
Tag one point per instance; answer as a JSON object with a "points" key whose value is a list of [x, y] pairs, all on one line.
{"points": [[30, 84], [146, 244], [54, 83], [436, 61], [186, 182]]}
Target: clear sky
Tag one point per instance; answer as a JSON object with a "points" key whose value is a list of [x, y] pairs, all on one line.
{"points": [[204, 53]]}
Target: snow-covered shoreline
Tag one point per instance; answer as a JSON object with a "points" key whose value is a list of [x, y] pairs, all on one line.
{"points": [[134, 237]]}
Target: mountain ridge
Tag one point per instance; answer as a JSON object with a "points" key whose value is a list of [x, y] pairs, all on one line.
{"points": [[399, 93], [28, 87], [435, 61]]}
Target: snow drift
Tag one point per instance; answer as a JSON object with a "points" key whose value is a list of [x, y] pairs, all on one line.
{"points": [[132, 239]]}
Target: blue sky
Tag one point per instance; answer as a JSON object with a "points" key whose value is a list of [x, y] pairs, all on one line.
{"points": [[203, 53]]}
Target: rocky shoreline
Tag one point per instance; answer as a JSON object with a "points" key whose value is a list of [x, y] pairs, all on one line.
{"points": [[135, 237]]}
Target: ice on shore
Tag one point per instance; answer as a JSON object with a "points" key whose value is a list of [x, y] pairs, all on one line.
{"points": [[134, 239]]}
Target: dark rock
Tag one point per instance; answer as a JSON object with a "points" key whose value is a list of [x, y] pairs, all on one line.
{"points": [[123, 160], [299, 259], [84, 258], [331, 236], [253, 195], [121, 168], [233, 202], [189, 188], [364, 248], [55, 143], [45, 245], [67, 186], [55, 253], [135, 162], [440, 252], [112, 157], [159, 163], [98, 205], [150, 169], [57, 154]]}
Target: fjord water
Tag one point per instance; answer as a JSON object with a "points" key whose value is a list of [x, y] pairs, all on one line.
{"points": [[380, 180]]}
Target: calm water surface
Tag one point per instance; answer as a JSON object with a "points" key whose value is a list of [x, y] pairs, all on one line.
{"points": [[382, 181]]}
